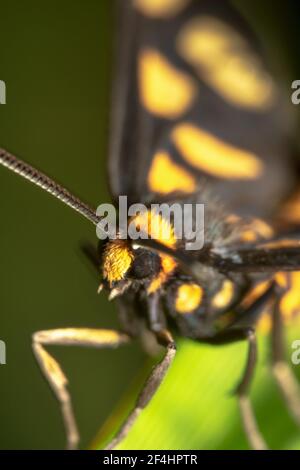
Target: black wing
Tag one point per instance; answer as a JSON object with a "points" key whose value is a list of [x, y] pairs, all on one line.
{"points": [[194, 99]]}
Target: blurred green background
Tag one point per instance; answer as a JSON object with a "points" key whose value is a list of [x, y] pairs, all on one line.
{"points": [[55, 57]]}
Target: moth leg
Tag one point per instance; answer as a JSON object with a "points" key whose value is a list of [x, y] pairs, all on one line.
{"points": [[254, 436], [153, 382], [241, 329], [285, 379], [54, 374]]}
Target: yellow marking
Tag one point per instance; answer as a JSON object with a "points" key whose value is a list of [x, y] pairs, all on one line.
{"points": [[225, 295], [160, 8], [210, 154], [225, 60], [168, 265], [188, 298], [156, 226], [264, 323], [157, 282], [255, 230], [117, 260], [290, 302], [165, 176], [257, 291], [164, 90], [290, 212], [282, 279]]}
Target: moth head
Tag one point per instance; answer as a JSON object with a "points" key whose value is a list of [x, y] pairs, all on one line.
{"points": [[125, 265]]}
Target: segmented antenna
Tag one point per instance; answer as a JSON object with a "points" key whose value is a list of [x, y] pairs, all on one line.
{"points": [[40, 179]]}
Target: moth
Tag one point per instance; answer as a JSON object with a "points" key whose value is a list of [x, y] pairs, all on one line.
{"points": [[197, 117]]}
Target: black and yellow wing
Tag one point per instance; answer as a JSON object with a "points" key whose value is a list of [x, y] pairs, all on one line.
{"points": [[194, 99]]}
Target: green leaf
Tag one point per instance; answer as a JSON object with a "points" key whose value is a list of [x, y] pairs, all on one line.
{"points": [[196, 409]]}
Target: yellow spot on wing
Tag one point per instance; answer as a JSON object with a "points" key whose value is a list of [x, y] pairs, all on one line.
{"points": [[210, 154], [117, 259], [226, 62], [164, 90], [225, 295], [188, 298], [160, 8], [165, 176]]}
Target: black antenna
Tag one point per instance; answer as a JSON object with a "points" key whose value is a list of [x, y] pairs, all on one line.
{"points": [[40, 179], [243, 260]]}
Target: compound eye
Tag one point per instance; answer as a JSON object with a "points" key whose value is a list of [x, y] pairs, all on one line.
{"points": [[145, 264]]}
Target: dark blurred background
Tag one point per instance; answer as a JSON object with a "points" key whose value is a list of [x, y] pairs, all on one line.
{"points": [[55, 57]]}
